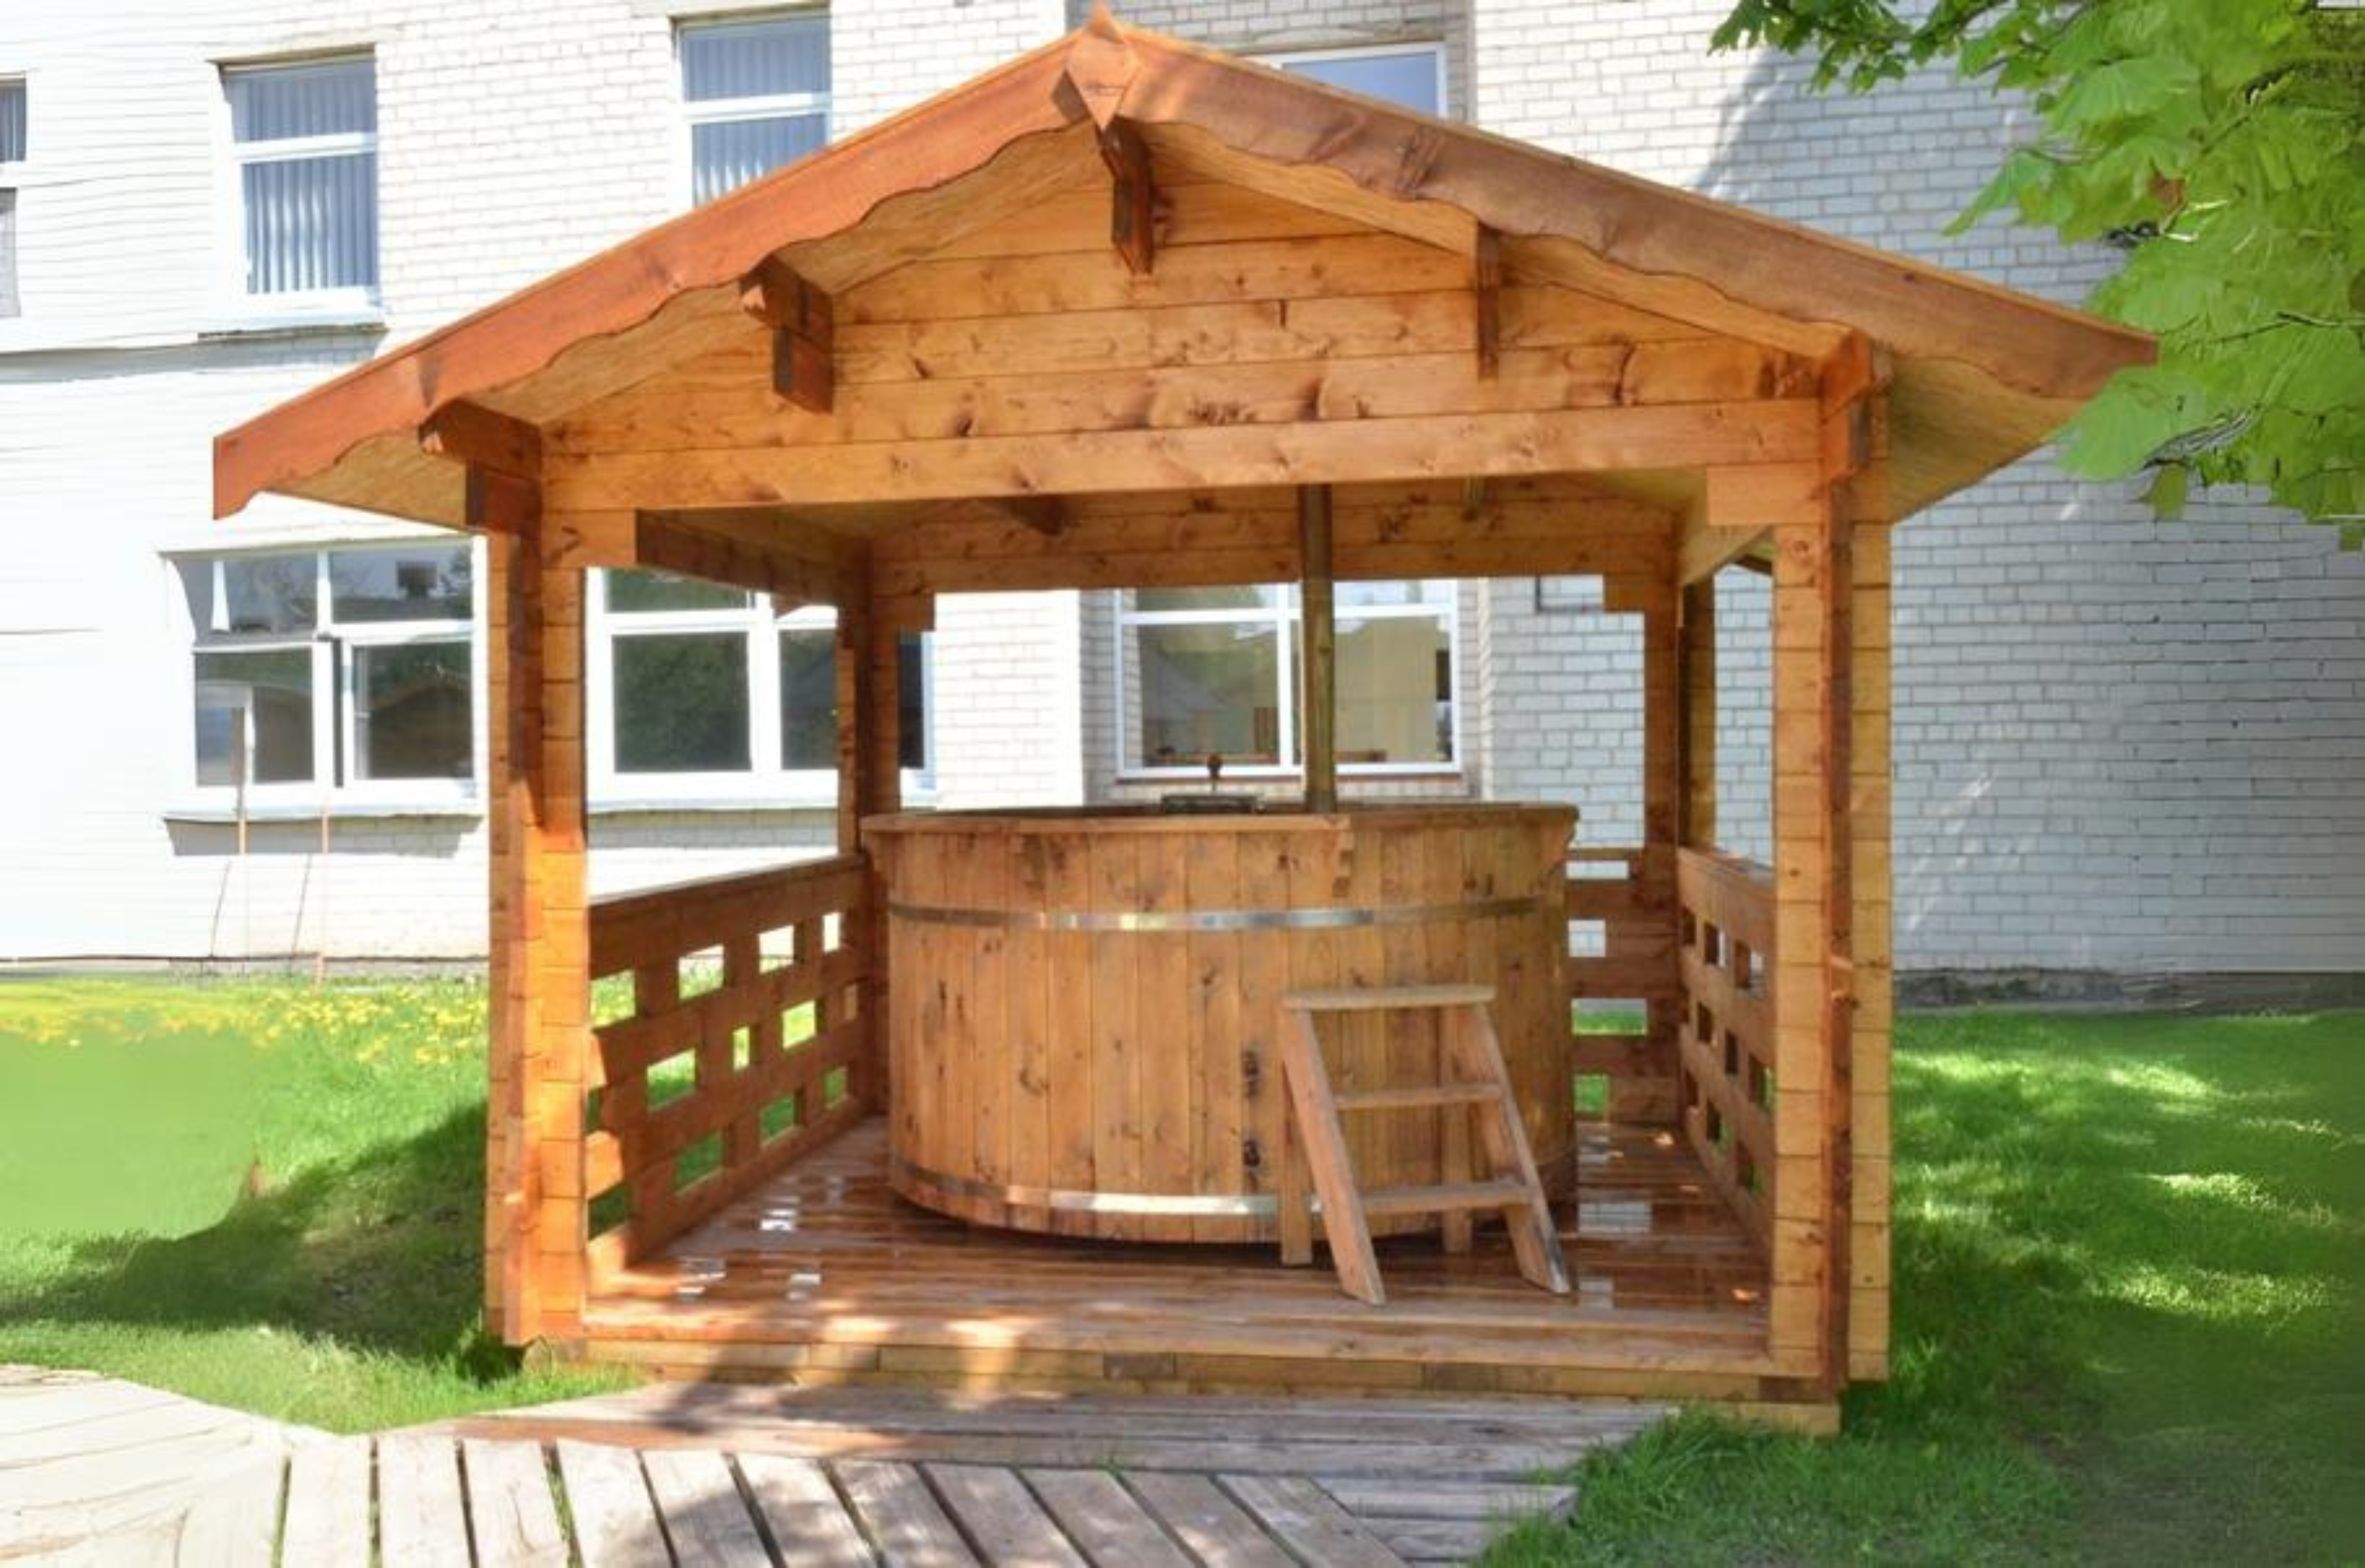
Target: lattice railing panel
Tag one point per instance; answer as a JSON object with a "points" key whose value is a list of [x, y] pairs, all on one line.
{"points": [[1620, 907], [739, 1048], [1725, 955]]}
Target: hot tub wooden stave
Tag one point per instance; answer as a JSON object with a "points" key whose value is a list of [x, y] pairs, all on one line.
{"points": [[1084, 1009]]}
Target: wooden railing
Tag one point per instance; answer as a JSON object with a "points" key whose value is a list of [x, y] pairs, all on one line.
{"points": [[1634, 906], [744, 1046], [1725, 955]]}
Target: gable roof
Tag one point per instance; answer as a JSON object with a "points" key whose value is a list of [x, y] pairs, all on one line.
{"points": [[1981, 374]]}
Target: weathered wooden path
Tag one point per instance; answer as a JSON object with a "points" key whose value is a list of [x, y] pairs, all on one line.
{"points": [[96, 1471]]}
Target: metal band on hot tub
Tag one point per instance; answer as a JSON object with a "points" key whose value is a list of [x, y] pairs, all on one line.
{"points": [[1321, 918], [1558, 1174]]}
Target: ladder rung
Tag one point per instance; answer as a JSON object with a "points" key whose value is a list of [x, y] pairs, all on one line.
{"points": [[1437, 1094], [1452, 1197], [1380, 998]]}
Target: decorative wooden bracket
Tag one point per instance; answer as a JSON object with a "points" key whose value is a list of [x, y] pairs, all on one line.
{"points": [[1133, 205], [483, 438], [801, 318], [1486, 284], [503, 457]]}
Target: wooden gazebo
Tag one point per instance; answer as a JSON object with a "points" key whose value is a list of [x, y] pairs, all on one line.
{"points": [[1128, 312]]}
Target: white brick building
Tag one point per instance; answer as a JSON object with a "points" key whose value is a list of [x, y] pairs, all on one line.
{"points": [[2122, 747]]}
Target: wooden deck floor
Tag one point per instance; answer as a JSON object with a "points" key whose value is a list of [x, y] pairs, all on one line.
{"points": [[94, 1471], [824, 1276]]}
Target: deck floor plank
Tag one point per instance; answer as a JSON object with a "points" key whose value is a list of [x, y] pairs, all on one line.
{"points": [[1300, 1512], [994, 1509], [421, 1521], [903, 1515], [511, 1515], [234, 1523], [1217, 1530], [803, 1512], [608, 1499], [705, 1517], [328, 1503], [1104, 1520]]}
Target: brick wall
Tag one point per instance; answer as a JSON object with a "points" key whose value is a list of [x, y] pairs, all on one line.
{"points": [[2119, 744]]}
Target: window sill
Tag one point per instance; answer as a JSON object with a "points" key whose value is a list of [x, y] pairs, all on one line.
{"points": [[208, 812], [294, 323], [682, 805], [1170, 778]]}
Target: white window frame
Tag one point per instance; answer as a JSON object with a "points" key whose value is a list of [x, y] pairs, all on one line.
{"points": [[1433, 48], [12, 177], [365, 303], [765, 784], [335, 708], [690, 114], [1288, 617]]}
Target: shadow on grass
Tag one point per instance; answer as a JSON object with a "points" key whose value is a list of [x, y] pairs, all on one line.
{"points": [[2127, 1276], [380, 1252]]}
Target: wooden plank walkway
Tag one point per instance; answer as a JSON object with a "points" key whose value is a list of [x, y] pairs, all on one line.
{"points": [[96, 1471]]}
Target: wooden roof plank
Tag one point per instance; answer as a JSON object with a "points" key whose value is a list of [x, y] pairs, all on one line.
{"points": [[1982, 373]]}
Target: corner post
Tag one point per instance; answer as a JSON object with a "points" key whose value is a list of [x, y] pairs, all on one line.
{"points": [[1320, 722], [1816, 986], [539, 926]]}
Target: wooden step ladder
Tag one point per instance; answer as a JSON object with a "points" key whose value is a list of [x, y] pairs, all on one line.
{"points": [[1475, 1087]]}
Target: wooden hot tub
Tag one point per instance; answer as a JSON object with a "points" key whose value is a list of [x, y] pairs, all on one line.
{"points": [[1084, 1006]]}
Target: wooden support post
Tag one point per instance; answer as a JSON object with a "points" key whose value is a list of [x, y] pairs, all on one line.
{"points": [[1486, 283], [1320, 722], [540, 957], [869, 783], [802, 319], [1133, 198], [1653, 942], [1696, 738], [1816, 986]]}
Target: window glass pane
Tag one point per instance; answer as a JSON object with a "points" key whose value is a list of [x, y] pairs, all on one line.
{"points": [[1197, 689], [809, 699], [912, 700], [429, 583], [1360, 596], [267, 593], [629, 591], [411, 708], [727, 154], [1396, 690], [1407, 79], [329, 97], [12, 123], [754, 59], [1262, 596], [274, 687], [682, 703], [311, 223]]}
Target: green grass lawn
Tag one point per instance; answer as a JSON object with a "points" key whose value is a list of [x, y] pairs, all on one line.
{"points": [[2130, 1277], [343, 1291], [2130, 1263]]}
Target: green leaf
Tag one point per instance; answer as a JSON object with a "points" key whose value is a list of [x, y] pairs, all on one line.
{"points": [[2166, 492]]}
